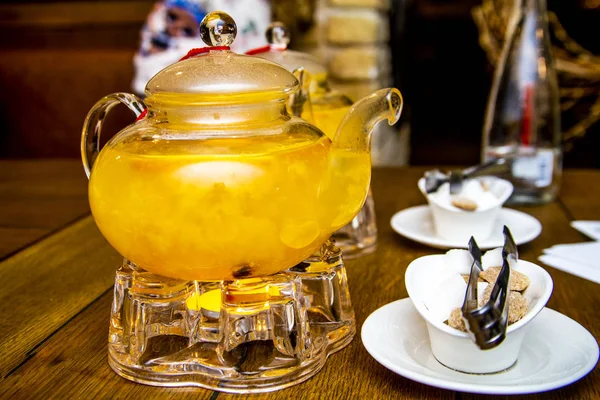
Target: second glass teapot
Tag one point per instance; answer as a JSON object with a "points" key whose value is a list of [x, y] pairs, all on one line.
{"points": [[325, 107], [318, 103], [216, 180]]}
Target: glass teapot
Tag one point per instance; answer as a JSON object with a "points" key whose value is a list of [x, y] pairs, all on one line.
{"points": [[216, 180], [325, 108], [321, 105]]}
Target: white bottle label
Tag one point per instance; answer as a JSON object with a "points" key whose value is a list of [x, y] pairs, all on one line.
{"points": [[536, 168]]}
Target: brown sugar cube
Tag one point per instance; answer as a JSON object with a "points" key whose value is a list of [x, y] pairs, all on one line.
{"points": [[517, 307], [456, 320], [464, 203], [517, 303], [518, 280], [484, 298]]}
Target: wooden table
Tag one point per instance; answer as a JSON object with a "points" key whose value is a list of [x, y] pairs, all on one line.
{"points": [[57, 272]]}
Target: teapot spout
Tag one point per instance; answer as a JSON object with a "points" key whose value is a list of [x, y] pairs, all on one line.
{"points": [[346, 184], [354, 132]]}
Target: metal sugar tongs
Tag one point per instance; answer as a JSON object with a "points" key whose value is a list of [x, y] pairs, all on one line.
{"points": [[435, 178], [488, 323]]}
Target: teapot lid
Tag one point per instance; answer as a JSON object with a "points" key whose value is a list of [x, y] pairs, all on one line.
{"points": [[278, 38], [218, 73]]}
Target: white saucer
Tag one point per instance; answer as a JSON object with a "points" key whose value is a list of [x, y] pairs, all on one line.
{"points": [[556, 351], [415, 223]]}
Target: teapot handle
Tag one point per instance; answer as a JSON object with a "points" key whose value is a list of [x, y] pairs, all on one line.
{"points": [[90, 144], [299, 103]]}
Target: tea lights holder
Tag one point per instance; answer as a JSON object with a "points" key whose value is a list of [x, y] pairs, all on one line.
{"points": [[246, 336]]}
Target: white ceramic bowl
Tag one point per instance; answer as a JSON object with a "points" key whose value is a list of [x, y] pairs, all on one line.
{"points": [[456, 349], [454, 224]]}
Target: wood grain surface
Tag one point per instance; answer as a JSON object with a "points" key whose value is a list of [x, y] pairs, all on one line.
{"points": [[37, 198], [580, 194], [49, 283], [53, 337]]}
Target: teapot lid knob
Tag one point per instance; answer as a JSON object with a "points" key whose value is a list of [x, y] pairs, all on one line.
{"points": [[278, 36], [218, 29]]}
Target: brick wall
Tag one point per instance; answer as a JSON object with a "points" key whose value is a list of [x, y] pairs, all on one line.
{"points": [[352, 38]]}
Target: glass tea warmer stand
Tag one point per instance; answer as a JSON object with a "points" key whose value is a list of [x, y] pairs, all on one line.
{"points": [[326, 108], [222, 204]]}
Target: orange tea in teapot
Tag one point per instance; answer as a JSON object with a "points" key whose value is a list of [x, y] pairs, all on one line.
{"points": [[224, 208], [328, 118]]}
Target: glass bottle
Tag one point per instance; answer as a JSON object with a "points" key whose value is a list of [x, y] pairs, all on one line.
{"points": [[522, 121]]}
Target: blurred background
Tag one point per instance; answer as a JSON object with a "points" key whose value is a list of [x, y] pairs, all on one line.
{"points": [[57, 58]]}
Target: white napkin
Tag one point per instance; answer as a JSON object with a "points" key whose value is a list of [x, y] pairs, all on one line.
{"points": [[580, 259], [588, 228]]}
